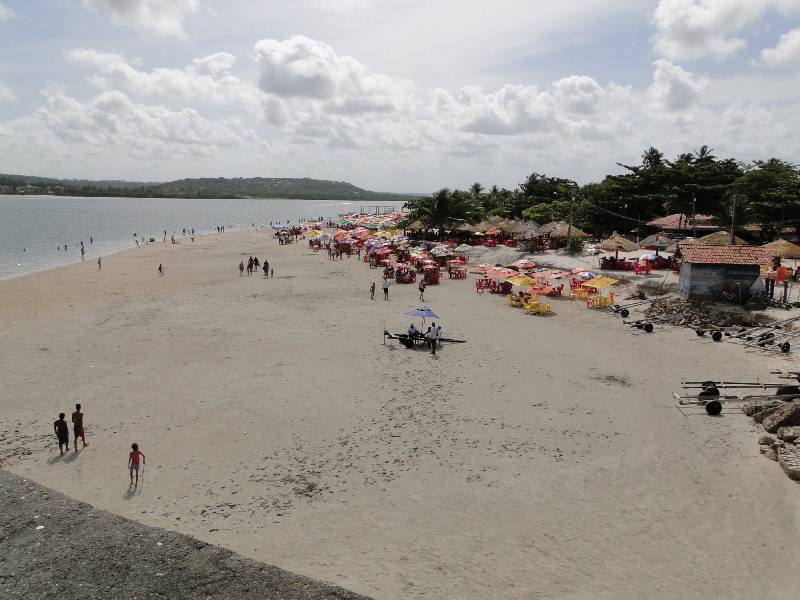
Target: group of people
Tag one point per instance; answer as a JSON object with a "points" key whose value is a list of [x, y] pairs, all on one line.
{"points": [[432, 335], [61, 429], [252, 265]]}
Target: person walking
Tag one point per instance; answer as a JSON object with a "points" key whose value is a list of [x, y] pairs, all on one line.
{"points": [[272, 273], [386, 284], [160, 270], [62, 433], [266, 270], [99, 262], [372, 291], [134, 459], [422, 289], [241, 268], [77, 427], [83, 252]]}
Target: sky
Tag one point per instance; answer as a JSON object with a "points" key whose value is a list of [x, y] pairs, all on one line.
{"points": [[391, 95]]}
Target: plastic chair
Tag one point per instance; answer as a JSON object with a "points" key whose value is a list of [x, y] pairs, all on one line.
{"points": [[479, 287]]}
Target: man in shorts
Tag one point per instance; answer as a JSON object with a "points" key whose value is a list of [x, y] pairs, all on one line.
{"points": [[62, 433], [134, 458], [77, 427]]}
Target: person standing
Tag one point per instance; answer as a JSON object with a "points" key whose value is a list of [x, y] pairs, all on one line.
{"points": [[62, 433], [134, 458], [99, 262], [433, 337], [266, 270], [241, 268], [422, 289], [272, 273], [372, 291], [83, 252], [91, 239], [386, 284], [77, 427]]}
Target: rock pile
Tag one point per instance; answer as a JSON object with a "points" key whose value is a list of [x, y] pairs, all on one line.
{"points": [[782, 419], [674, 310]]}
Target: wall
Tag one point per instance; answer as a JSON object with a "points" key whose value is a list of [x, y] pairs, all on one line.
{"points": [[708, 281]]}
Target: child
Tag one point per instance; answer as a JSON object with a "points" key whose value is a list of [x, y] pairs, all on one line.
{"points": [[62, 433], [133, 462]]}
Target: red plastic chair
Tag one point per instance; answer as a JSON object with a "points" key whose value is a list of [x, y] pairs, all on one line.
{"points": [[479, 287]]}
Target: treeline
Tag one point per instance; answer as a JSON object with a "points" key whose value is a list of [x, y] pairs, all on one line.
{"points": [[219, 187], [762, 192]]}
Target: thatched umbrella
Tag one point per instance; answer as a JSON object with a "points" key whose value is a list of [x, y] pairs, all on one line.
{"points": [[657, 242], [783, 249], [616, 243], [560, 229], [720, 238]]}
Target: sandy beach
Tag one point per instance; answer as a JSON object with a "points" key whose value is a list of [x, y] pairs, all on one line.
{"points": [[543, 458]]}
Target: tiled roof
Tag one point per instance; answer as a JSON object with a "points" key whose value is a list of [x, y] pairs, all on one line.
{"points": [[680, 220], [724, 255]]}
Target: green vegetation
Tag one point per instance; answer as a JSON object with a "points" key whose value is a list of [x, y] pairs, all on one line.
{"points": [[761, 192], [219, 187]]}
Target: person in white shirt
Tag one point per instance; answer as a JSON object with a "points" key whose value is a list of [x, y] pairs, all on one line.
{"points": [[386, 284], [433, 337]]}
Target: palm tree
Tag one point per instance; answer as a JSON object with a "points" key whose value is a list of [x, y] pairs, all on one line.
{"points": [[476, 189], [442, 210]]}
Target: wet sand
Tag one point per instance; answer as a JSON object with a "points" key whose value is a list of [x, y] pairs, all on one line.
{"points": [[544, 458]]}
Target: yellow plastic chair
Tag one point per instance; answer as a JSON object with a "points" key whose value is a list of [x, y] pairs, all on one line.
{"points": [[543, 309]]}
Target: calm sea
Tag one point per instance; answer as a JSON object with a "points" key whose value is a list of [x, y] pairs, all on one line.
{"points": [[34, 229]]}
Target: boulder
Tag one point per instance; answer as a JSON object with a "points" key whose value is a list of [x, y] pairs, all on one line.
{"points": [[766, 440], [789, 434], [771, 454], [751, 408], [789, 460], [760, 416], [786, 416]]}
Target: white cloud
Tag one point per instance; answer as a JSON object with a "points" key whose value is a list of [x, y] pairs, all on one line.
{"points": [[6, 12], [207, 79], [689, 29], [162, 17], [674, 88], [300, 67], [6, 95], [786, 52]]}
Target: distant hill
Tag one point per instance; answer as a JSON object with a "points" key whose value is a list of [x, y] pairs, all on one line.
{"points": [[206, 187]]}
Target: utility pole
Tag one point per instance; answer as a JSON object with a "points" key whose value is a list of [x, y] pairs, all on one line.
{"points": [[733, 221], [569, 229], [638, 226], [694, 217]]}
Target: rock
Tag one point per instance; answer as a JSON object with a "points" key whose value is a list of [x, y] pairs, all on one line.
{"points": [[766, 440], [771, 454], [789, 434], [760, 416], [751, 408], [789, 460], [787, 415]]}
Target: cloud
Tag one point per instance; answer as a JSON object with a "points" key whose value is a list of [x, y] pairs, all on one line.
{"points": [[6, 95], [786, 52], [207, 79], [162, 17], [300, 67], [6, 12], [673, 87], [113, 119], [690, 29]]}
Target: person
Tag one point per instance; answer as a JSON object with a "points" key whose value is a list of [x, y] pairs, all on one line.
{"points": [[256, 264], [134, 458], [91, 239], [160, 269], [372, 291], [62, 433], [412, 330], [266, 269], [77, 427], [422, 289], [83, 252], [386, 284], [241, 268], [99, 262], [272, 273], [431, 335]]}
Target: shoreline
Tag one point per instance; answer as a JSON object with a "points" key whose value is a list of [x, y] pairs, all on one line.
{"points": [[278, 425]]}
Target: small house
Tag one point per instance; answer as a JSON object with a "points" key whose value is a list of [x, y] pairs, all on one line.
{"points": [[708, 270]]}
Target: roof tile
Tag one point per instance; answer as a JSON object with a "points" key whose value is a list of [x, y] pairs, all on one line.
{"points": [[724, 255]]}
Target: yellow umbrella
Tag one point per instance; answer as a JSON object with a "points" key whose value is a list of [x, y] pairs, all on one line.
{"points": [[520, 280], [600, 282]]}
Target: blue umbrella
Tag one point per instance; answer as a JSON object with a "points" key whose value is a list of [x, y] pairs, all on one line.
{"points": [[423, 311]]}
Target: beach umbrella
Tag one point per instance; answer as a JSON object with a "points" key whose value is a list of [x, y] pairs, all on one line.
{"points": [[720, 238], [540, 289], [783, 249], [481, 268], [616, 244], [524, 263], [520, 280], [464, 248], [423, 312]]}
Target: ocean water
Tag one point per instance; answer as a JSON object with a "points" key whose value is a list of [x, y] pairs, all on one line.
{"points": [[34, 229]]}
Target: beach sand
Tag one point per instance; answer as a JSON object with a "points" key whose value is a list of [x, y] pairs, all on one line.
{"points": [[544, 458]]}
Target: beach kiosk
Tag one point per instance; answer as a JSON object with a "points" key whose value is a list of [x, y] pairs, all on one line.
{"points": [[707, 271]]}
